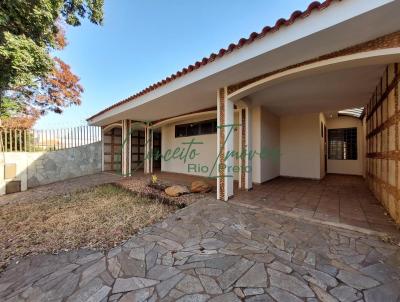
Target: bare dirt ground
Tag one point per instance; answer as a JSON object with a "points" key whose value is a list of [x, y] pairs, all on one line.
{"points": [[99, 217]]}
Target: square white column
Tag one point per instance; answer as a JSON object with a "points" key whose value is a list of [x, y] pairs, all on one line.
{"points": [[245, 175], [248, 185], [225, 136]]}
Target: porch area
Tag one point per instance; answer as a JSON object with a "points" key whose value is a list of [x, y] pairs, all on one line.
{"points": [[314, 119], [342, 200]]}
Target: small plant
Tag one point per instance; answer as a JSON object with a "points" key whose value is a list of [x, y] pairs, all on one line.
{"points": [[154, 179]]}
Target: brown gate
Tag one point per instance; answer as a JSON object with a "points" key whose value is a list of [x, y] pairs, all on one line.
{"points": [[112, 150]]}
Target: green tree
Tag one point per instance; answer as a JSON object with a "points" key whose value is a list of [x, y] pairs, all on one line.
{"points": [[29, 31]]}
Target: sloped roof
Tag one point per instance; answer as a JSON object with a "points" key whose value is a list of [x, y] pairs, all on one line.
{"points": [[314, 6]]}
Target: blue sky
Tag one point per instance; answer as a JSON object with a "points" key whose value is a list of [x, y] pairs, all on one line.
{"points": [[142, 42]]}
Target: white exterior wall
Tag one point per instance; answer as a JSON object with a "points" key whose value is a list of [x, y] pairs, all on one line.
{"points": [[265, 136], [206, 157], [22, 160], [236, 161], [207, 151], [352, 167], [270, 141], [300, 146], [256, 143], [297, 138]]}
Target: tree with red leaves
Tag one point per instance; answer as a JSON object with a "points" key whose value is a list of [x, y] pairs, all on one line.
{"points": [[59, 90], [32, 82]]}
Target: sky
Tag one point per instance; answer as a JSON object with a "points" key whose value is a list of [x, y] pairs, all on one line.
{"points": [[142, 42]]}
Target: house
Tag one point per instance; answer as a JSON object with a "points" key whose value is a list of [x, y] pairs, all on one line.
{"points": [[314, 94]]}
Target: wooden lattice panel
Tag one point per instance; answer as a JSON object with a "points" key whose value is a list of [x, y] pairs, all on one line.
{"points": [[112, 150], [383, 153]]}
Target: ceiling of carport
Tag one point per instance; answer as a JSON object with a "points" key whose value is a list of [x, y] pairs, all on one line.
{"points": [[330, 91]]}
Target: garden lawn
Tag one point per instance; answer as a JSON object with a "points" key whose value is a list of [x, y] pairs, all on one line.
{"points": [[100, 218]]}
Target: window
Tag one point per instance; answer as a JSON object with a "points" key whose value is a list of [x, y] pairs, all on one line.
{"points": [[192, 129], [180, 131], [198, 128], [208, 127], [342, 144]]}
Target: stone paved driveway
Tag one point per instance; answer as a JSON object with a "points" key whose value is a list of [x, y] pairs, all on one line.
{"points": [[344, 199], [215, 251]]}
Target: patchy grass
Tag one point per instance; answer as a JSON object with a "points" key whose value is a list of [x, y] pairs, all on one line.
{"points": [[100, 218]]}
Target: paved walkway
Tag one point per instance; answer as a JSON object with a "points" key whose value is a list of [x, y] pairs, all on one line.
{"points": [[341, 199], [216, 251]]}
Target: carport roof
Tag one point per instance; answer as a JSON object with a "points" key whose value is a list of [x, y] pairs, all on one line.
{"points": [[345, 24], [314, 6]]}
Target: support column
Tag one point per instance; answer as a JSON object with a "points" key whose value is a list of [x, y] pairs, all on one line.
{"points": [[148, 150], [225, 134], [151, 148], [102, 149], [126, 149], [129, 143], [245, 178]]}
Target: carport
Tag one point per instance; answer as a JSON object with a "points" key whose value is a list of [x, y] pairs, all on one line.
{"points": [[319, 89]]}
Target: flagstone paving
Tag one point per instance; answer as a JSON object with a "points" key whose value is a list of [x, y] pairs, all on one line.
{"points": [[216, 251]]}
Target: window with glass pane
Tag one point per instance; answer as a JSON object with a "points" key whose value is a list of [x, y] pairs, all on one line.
{"points": [[193, 129], [198, 128], [342, 144], [180, 131], [208, 127]]}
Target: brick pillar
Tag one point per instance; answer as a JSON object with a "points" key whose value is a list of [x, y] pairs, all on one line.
{"points": [[245, 176], [225, 134], [126, 148]]}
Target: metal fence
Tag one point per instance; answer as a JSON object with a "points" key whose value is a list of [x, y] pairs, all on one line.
{"points": [[31, 140]]}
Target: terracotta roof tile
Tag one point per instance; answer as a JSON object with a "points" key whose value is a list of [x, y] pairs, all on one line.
{"points": [[222, 52]]}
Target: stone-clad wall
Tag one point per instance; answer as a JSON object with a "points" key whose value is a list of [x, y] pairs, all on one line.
{"points": [[32, 169], [48, 167]]}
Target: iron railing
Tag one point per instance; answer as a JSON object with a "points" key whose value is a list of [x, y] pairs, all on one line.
{"points": [[32, 140]]}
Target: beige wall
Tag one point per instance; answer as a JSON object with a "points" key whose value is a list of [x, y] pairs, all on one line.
{"points": [[256, 143], [265, 135], [300, 146], [270, 141], [296, 139], [352, 167], [207, 151], [266, 140]]}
